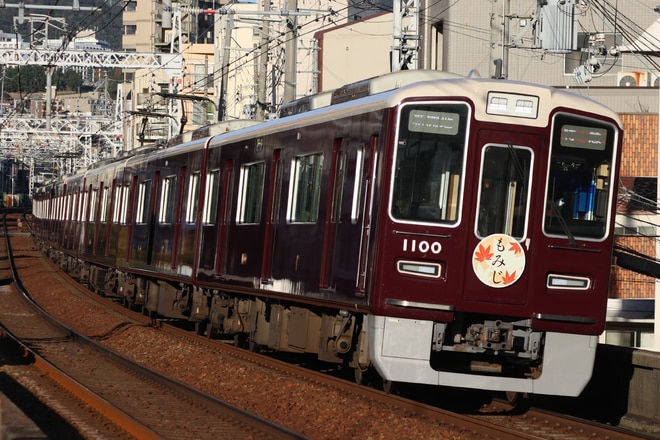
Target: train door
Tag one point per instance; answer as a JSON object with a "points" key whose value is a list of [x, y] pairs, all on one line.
{"points": [[224, 218], [344, 222], [495, 271], [272, 204], [244, 243], [141, 231]]}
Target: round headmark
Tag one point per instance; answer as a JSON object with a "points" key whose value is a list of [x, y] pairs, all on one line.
{"points": [[498, 260]]}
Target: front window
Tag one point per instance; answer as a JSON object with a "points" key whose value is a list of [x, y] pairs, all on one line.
{"points": [[579, 180], [504, 189], [429, 162]]}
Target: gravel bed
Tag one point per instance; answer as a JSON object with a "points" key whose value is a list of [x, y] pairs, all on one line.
{"points": [[314, 410]]}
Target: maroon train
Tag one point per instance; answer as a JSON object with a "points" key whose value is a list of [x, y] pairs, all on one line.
{"points": [[440, 229]]}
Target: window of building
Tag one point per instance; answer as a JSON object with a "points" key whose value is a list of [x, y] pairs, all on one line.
{"points": [[129, 29], [642, 193], [199, 113]]}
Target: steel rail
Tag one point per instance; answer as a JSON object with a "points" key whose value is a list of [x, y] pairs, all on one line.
{"points": [[119, 417]]}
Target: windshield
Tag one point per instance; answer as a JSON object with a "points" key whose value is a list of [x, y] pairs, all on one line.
{"points": [[429, 162], [505, 175], [578, 191]]}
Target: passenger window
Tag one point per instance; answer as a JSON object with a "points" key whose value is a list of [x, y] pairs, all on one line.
{"points": [[103, 215], [142, 208], [357, 188], [125, 198], [211, 197], [167, 200], [250, 193], [305, 188], [93, 204], [193, 198]]}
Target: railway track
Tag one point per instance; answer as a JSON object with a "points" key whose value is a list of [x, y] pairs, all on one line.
{"points": [[140, 401], [282, 392]]}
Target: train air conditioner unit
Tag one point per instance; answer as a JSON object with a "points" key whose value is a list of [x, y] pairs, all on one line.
{"points": [[632, 79]]}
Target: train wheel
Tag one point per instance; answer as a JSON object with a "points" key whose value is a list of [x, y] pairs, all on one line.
{"points": [[361, 376], [512, 397], [241, 340], [200, 328], [390, 386], [253, 346], [516, 399]]}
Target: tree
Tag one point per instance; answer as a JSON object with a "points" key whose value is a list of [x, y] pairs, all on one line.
{"points": [[67, 80], [25, 79]]}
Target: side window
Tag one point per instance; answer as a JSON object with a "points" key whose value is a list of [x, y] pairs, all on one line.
{"points": [[305, 188], [503, 191], [71, 206], [117, 212], [125, 199], [142, 207], [355, 204], [211, 197], [250, 193], [93, 204], [84, 201], [167, 200], [103, 214], [193, 198]]}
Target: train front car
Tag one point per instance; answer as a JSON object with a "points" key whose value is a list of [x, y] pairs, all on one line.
{"points": [[494, 250]]}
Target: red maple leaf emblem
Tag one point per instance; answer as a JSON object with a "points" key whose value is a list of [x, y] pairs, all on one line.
{"points": [[514, 246], [508, 278], [483, 254]]}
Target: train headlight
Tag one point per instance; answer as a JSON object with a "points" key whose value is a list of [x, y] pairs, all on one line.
{"points": [[567, 282], [511, 104], [418, 268]]}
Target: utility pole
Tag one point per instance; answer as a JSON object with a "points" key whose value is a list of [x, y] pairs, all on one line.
{"points": [[224, 77], [500, 39], [291, 52], [262, 68], [405, 35]]}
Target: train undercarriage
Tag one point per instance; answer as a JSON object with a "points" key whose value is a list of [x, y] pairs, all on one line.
{"points": [[475, 345]]}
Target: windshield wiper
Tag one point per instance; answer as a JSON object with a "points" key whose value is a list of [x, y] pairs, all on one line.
{"points": [[554, 210]]}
